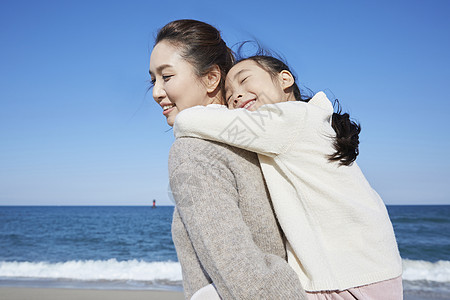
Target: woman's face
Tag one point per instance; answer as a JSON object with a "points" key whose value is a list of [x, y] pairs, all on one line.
{"points": [[249, 86], [175, 84]]}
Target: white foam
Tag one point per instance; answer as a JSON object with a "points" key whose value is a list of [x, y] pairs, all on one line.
{"points": [[135, 270], [414, 270], [93, 270]]}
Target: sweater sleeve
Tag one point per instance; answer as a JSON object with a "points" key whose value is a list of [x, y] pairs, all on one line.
{"points": [[194, 276], [268, 131], [207, 201]]}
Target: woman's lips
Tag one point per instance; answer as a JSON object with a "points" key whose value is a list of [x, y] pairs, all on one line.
{"points": [[168, 108]]}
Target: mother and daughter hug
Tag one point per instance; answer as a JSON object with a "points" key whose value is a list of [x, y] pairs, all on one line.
{"points": [[270, 203]]}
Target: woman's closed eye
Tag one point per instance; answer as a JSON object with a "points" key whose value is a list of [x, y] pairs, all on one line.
{"points": [[166, 77]]}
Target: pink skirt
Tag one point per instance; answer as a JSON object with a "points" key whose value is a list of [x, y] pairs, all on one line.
{"points": [[391, 289]]}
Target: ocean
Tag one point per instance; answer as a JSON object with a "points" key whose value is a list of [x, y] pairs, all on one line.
{"points": [[130, 247]]}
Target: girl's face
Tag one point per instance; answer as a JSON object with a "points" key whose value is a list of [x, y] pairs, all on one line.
{"points": [[175, 84], [249, 86]]}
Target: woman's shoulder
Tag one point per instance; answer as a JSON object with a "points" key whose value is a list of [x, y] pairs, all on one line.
{"points": [[191, 147], [200, 151]]}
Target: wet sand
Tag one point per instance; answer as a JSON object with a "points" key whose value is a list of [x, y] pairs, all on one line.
{"points": [[25, 293], [18, 293]]}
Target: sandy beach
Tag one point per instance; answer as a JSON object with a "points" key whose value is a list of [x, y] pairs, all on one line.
{"points": [[22, 293], [18, 293]]}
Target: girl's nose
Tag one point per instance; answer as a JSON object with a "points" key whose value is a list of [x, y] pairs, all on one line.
{"points": [[236, 100]]}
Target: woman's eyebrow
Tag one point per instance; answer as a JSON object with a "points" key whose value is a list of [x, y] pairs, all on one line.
{"points": [[160, 68]]}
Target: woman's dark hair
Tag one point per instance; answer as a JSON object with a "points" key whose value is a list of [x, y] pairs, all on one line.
{"points": [[346, 142], [201, 45]]}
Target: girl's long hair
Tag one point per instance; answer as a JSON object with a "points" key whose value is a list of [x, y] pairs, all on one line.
{"points": [[346, 142]]}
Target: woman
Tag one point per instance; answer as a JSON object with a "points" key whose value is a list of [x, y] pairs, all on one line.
{"points": [[224, 228]]}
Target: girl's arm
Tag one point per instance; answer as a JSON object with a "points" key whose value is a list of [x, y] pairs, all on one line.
{"points": [[268, 131], [207, 201]]}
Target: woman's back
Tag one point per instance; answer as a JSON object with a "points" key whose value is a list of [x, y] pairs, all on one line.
{"points": [[228, 219]]}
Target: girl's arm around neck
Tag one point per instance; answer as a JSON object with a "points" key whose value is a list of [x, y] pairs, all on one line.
{"points": [[268, 130]]}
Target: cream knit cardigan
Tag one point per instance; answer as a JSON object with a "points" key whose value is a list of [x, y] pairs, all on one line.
{"points": [[337, 227]]}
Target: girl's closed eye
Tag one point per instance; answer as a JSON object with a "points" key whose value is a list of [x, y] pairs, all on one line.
{"points": [[244, 79], [227, 99]]}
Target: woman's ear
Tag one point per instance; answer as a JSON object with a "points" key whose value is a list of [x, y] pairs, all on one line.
{"points": [[286, 79], [212, 79]]}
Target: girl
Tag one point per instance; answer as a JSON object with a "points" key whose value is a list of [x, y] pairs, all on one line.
{"points": [[340, 240], [224, 229]]}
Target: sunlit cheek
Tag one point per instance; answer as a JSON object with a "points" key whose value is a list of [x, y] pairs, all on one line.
{"points": [[263, 98], [256, 106]]}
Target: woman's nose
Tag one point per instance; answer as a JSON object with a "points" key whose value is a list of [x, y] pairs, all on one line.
{"points": [[158, 93]]}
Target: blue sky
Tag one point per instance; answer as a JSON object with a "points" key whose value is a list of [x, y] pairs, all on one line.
{"points": [[77, 126]]}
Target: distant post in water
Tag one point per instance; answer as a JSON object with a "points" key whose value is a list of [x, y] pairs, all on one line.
{"points": [[154, 203]]}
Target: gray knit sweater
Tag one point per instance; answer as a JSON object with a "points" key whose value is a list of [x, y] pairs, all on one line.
{"points": [[224, 228]]}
